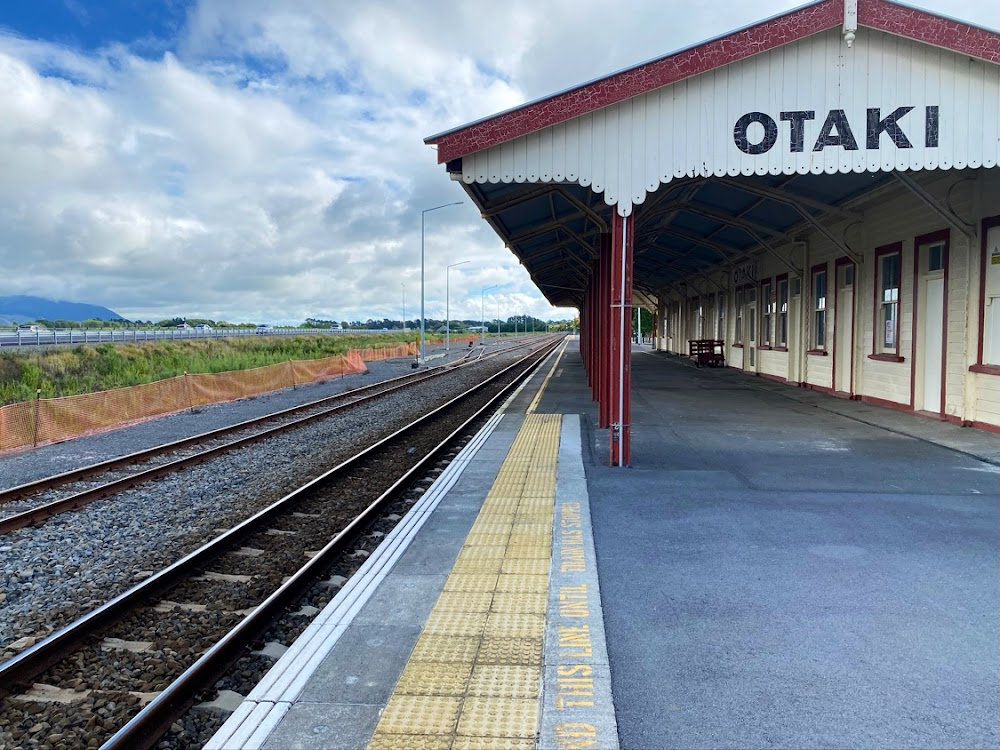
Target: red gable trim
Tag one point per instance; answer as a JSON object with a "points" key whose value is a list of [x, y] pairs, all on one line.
{"points": [[797, 24], [925, 27], [629, 83]]}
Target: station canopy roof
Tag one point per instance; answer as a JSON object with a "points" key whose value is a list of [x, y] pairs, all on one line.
{"points": [[734, 146]]}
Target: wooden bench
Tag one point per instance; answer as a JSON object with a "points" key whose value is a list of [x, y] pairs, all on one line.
{"points": [[707, 352]]}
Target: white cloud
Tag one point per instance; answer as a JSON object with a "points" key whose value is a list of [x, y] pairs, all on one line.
{"points": [[271, 166]]}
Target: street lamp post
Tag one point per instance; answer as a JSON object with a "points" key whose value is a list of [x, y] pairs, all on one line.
{"points": [[482, 328], [422, 214], [402, 288], [447, 304]]}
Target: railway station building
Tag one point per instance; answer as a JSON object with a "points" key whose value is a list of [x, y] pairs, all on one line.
{"points": [[819, 192]]}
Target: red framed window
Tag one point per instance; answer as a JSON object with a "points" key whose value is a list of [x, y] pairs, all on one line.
{"points": [[781, 311], [767, 313], [819, 289], [888, 277], [738, 333], [988, 355]]}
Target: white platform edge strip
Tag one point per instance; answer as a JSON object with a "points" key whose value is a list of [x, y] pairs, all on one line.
{"points": [[258, 715]]}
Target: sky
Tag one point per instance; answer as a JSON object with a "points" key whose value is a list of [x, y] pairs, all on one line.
{"points": [[263, 160]]}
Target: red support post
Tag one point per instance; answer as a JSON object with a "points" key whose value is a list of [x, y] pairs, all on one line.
{"points": [[622, 230], [603, 352]]}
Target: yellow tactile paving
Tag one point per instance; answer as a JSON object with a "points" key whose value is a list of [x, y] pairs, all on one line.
{"points": [[470, 566], [526, 651], [465, 601], [420, 714], [444, 648], [499, 717], [522, 584], [411, 742], [443, 622], [435, 678], [529, 603], [471, 582], [504, 681], [525, 566], [473, 680], [493, 743], [514, 625], [481, 552]]}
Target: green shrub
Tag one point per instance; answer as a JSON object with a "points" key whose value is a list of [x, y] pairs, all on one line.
{"points": [[101, 367]]}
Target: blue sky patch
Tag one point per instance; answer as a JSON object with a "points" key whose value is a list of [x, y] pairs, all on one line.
{"points": [[91, 24]]}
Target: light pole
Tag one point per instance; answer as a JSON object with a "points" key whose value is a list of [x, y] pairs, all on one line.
{"points": [[422, 214], [482, 328], [447, 304], [402, 288], [498, 317]]}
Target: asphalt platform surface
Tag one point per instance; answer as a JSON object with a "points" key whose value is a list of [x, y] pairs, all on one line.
{"points": [[783, 569]]}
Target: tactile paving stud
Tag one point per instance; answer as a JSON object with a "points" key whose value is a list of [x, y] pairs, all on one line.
{"points": [[420, 714], [499, 717], [505, 681]]}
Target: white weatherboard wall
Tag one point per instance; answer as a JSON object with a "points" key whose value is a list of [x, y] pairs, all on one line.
{"points": [[686, 129], [893, 215]]}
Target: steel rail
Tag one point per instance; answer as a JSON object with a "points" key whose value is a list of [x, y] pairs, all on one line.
{"points": [[78, 500], [146, 727], [27, 489], [21, 670], [85, 472]]}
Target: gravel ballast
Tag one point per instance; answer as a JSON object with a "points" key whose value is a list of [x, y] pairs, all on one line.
{"points": [[65, 567]]}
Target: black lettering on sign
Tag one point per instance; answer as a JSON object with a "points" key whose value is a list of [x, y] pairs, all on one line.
{"points": [[835, 131], [797, 127], [889, 125], [844, 137], [931, 127], [740, 133]]}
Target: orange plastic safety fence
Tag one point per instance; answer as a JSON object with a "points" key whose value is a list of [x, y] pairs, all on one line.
{"points": [[51, 420]]}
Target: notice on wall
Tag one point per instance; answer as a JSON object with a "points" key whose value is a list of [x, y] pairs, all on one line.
{"points": [[995, 255], [890, 333]]}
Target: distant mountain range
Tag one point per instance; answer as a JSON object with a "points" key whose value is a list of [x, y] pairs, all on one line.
{"points": [[25, 309]]}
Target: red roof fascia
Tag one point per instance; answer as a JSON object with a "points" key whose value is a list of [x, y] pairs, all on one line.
{"points": [[925, 27], [635, 81], [877, 14]]}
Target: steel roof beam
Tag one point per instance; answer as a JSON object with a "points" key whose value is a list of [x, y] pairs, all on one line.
{"points": [[934, 204], [720, 250], [586, 210], [799, 203], [782, 196]]}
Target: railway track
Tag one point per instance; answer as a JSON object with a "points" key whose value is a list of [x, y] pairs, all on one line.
{"points": [[35, 502], [168, 639]]}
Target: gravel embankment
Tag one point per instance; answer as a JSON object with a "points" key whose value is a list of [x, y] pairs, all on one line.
{"points": [[67, 566]]}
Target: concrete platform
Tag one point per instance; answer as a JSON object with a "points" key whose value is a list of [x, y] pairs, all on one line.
{"points": [[778, 568]]}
